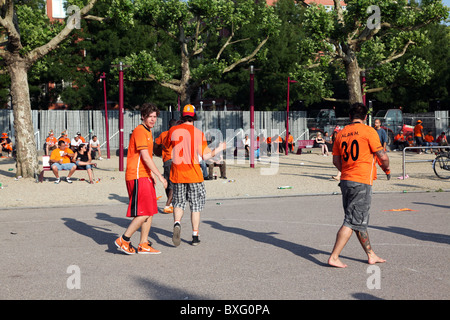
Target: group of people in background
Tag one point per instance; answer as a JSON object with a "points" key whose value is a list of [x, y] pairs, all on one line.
{"points": [[70, 155], [419, 138], [6, 145]]}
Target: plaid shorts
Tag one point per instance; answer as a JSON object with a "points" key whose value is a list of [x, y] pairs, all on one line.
{"points": [[195, 193]]}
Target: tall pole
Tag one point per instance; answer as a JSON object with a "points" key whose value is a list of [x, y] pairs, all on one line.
{"points": [[103, 78], [363, 87], [252, 117], [121, 116], [287, 114], [287, 118]]}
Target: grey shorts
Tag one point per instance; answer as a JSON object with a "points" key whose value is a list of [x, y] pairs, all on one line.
{"points": [[356, 199], [195, 193]]}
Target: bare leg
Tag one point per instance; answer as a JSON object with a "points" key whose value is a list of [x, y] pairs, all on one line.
{"points": [[177, 214], [195, 220], [135, 224], [145, 230], [363, 238], [342, 238], [55, 172], [72, 171], [89, 171]]}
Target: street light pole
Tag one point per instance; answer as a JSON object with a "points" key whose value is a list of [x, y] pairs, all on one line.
{"points": [[363, 87], [287, 115], [252, 117], [103, 78], [121, 66], [121, 116]]}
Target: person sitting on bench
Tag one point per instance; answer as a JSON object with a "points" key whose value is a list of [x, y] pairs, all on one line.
{"points": [[61, 159]]}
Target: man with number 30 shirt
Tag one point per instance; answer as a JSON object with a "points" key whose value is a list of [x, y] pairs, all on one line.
{"points": [[356, 151]]}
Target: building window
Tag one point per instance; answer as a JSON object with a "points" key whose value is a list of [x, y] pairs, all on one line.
{"points": [[59, 12]]}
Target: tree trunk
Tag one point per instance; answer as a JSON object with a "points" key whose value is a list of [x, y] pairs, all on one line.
{"points": [[27, 164], [185, 96], [352, 71]]}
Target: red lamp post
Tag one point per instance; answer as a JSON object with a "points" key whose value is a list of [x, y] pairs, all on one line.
{"points": [[287, 114], [252, 117], [103, 78]]}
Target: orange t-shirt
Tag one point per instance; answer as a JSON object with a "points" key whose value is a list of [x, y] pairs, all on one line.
{"points": [[51, 141], [418, 130], [66, 140], [166, 153], [291, 139], [356, 144], [140, 139], [429, 138], [399, 137], [57, 154], [188, 144]]}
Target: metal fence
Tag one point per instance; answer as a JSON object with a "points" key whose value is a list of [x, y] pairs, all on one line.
{"points": [[92, 122], [436, 122]]}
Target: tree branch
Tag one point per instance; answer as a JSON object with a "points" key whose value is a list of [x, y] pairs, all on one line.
{"points": [[395, 56], [38, 53], [8, 23], [247, 58]]}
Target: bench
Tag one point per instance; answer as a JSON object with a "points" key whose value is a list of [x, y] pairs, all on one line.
{"points": [[47, 167], [301, 144]]}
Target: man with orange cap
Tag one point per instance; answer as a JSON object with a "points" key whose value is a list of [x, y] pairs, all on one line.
{"points": [[418, 134], [188, 143], [6, 144]]}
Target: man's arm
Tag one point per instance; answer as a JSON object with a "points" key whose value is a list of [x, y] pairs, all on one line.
{"points": [[145, 156], [213, 153], [384, 162], [337, 161]]}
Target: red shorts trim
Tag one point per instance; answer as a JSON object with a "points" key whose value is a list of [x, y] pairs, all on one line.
{"points": [[142, 197]]}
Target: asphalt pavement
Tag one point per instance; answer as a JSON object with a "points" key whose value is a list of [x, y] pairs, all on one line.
{"points": [[251, 249]]}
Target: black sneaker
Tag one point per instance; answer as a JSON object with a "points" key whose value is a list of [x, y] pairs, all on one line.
{"points": [[195, 240], [176, 237]]}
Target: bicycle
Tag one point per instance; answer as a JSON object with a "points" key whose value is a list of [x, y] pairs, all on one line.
{"points": [[441, 165]]}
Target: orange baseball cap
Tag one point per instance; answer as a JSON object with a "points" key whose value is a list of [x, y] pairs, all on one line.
{"points": [[188, 110]]}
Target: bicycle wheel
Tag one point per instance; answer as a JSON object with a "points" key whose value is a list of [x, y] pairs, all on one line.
{"points": [[441, 166]]}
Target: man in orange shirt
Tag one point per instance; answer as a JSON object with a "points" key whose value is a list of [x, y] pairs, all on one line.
{"points": [[354, 152], [61, 159], [50, 142], [188, 143], [291, 143], [140, 183], [64, 137], [418, 134], [167, 164], [429, 140], [400, 141]]}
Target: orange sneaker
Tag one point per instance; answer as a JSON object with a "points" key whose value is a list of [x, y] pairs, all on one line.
{"points": [[146, 248], [124, 246], [168, 209]]}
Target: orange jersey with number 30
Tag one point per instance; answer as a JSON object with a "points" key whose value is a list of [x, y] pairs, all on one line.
{"points": [[356, 144]]}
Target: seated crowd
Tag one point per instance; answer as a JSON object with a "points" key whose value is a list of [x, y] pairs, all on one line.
{"points": [[70, 155]]}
